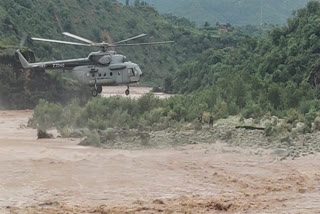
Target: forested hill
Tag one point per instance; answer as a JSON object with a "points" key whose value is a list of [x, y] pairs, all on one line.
{"points": [[96, 20], [290, 53], [279, 74], [224, 65], [100, 20], [236, 12]]}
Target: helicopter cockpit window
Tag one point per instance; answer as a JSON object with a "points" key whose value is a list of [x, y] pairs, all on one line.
{"points": [[130, 71]]}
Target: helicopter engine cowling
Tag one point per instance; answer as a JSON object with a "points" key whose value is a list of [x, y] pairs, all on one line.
{"points": [[116, 59], [105, 60]]}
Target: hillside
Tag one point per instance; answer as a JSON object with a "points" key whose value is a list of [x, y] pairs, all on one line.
{"points": [[274, 82], [219, 59], [236, 12], [277, 75], [97, 21]]}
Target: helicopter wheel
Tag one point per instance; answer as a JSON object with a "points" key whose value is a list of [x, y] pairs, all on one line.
{"points": [[99, 89], [127, 92], [94, 92]]}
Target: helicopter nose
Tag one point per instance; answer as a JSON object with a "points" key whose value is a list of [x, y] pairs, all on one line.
{"points": [[139, 71]]}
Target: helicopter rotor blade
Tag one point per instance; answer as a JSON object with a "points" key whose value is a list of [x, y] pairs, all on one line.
{"points": [[59, 41], [78, 37], [148, 43], [132, 38]]}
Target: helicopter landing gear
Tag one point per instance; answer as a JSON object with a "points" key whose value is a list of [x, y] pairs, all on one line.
{"points": [[127, 92], [94, 92], [99, 89]]}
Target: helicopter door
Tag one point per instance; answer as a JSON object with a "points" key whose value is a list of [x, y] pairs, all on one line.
{"points": [[130, 74], [119, 78]]}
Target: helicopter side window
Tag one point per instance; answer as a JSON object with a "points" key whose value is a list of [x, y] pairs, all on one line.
{"points": [[105, 74], [111, 74], [100, 75], [130, 71]]}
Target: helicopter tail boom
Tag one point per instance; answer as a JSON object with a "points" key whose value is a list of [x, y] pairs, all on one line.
{"points": [[24, 62]]}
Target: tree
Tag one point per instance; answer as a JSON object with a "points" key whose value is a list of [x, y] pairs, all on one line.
{"points": [[274, 96], [136, 3], [168, 84]]}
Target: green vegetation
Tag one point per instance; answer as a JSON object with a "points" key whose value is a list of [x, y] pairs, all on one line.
{"points": [[22, 89], [236, 12], [218, 70], [266, 80], [102, 20], [257, 76], [114, 112], [96, 20]]}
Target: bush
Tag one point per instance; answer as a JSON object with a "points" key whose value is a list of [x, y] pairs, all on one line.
{"points": [[92, 139], [316, 124], [269, 130], [44, 135], [293, 116], [310, 117], [252, 110], [154, 116], [221, 110], [46, 115]]}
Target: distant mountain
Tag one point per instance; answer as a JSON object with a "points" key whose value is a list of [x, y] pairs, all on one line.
{"points": [[236, 12]]}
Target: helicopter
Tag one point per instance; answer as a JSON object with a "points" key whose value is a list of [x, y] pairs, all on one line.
{"points": [[102, 68]]}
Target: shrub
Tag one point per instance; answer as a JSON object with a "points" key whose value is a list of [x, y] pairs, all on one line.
{"points": [[154, 116], [310, 117], [293, 116], [221, 110], [316, 124], [269, 130], [92, 139], [46, 115], [252, 110], [43, 134]]}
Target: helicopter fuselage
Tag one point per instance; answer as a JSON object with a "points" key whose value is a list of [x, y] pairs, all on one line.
{"points": [[101, 75], [97, 70]]}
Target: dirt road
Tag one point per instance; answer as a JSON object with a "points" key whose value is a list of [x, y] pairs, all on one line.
{"points": [[47, 176], [135, 92]]}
